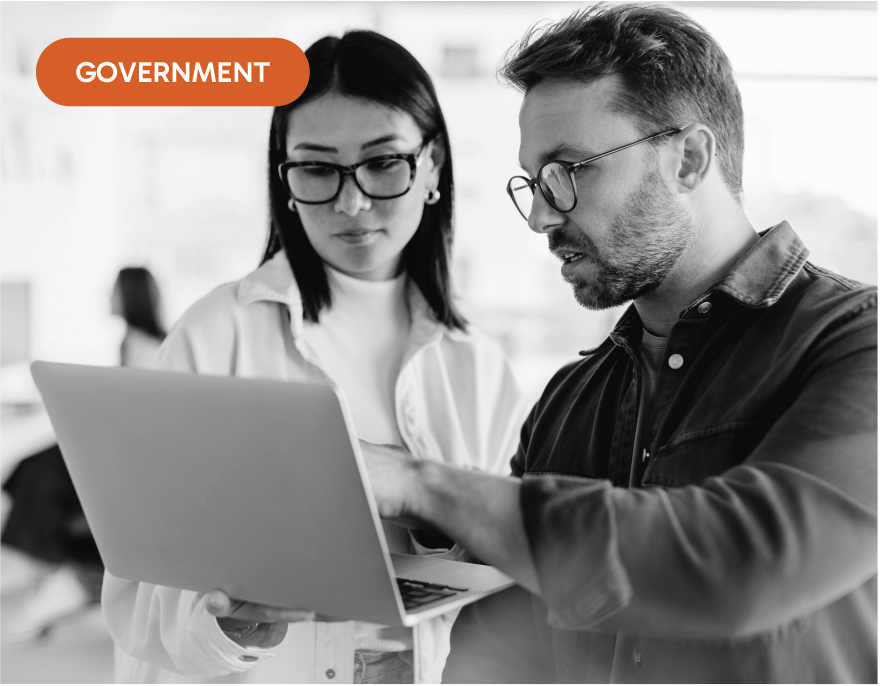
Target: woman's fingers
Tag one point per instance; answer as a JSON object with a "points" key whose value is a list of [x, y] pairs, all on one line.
{"points": [[221, 605]]}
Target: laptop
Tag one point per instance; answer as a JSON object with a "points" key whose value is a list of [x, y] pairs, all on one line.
{"points": [[256, 487]]}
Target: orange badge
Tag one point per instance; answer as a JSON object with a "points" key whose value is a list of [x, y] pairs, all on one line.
{"points": [[172, 71]]}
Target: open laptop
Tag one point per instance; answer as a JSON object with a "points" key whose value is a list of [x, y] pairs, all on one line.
{"points": [[255, 487]]}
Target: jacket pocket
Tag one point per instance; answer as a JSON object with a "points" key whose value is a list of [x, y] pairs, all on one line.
{"points": [[692, 458]]}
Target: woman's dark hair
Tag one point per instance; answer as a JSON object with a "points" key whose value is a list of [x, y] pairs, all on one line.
{"points": [[367, 65], [139, 298]]}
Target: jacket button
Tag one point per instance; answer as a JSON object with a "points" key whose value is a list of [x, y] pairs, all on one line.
{"points": [[330, 673], [675, 361], [704, 307]]}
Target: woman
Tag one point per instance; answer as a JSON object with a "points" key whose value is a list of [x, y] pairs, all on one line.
{"points": [[46, 521], [136, 299], [354, 287]]}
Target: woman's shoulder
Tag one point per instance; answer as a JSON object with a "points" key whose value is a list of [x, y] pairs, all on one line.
{"points": [[218, 308], [205, 336], [473, 347], [471, 337]]}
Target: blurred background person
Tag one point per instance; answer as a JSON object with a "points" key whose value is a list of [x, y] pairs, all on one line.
{"points": [[136, 299], [46, 521]]}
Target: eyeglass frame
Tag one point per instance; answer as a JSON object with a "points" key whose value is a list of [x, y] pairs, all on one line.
{"points": [[413, 158], [572, 167]]}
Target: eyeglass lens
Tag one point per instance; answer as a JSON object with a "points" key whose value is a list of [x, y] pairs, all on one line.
{"points": [[557, 185], [379, 179], [522, 195]]}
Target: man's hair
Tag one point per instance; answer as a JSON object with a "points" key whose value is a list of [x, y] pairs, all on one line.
{"points": [[672, 72]]}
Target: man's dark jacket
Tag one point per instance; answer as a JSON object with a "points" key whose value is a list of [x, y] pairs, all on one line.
{"points": [[748, 550]]}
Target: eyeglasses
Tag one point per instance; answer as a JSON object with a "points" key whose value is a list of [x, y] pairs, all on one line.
{"points": [[381, 178], [557, 183]]}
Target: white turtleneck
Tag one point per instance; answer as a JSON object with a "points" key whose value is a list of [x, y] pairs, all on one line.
{"points": [[359, 341]]}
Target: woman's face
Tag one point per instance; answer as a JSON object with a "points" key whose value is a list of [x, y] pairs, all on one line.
{"points": [[357, 235]]}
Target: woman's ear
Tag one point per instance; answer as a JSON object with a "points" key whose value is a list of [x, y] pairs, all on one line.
{"points": [[438, 159]]}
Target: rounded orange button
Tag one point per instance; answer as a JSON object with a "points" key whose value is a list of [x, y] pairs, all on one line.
{"points": [[172, 72]]}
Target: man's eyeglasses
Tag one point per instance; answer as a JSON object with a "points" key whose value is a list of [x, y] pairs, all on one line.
{"points": [[381, 178], [556, 181]]}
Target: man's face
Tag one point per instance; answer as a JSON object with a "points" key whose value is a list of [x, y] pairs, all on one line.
{"points": [[628, 228]]}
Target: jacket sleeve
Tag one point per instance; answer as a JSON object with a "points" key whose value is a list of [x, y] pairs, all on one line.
{"points": [[170, 627], [790, 530]]}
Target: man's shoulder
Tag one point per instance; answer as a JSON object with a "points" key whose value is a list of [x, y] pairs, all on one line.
{"points": [[820, 298]]}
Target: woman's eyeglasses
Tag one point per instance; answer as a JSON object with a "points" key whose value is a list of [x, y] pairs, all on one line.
{"points": [[381, 178], [557, 183]]}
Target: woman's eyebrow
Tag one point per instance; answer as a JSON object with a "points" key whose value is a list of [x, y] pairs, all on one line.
{"points": [[380, 140], [317, 147]]}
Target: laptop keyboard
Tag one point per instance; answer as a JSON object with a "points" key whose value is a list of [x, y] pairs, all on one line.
{"points": [[416, 593]]}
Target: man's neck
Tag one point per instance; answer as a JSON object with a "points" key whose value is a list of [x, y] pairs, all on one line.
{"points": [[709, 257]]}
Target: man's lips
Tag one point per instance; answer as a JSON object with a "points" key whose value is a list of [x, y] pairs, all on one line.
{"points": [[568, 256]]}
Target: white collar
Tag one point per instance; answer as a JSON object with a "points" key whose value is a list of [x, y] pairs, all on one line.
{"points": [[273, 281]]}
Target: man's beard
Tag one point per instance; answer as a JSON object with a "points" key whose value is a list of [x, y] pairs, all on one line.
{"points": [[644, 242]]}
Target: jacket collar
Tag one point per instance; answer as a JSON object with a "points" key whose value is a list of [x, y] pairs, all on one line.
{"points": [[764, 273], [757, 280], [273, 281]]}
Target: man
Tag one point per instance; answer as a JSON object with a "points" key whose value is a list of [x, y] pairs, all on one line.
{"points": [[695, 499]]}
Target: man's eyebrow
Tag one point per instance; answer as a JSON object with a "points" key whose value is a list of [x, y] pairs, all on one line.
{"points": [[568, 153]]}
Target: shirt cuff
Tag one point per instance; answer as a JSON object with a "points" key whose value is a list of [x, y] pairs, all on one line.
{"points": [[572, 537], [217, 653]]}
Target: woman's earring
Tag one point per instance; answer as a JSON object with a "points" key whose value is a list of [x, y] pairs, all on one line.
{"points": [[291, 205], [432, 196]]}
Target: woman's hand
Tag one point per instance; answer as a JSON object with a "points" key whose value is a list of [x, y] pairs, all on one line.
{"points": [[239, 616]]}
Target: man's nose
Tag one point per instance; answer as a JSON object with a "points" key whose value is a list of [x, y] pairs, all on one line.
{"points": [[543, 217], [351, 200]]}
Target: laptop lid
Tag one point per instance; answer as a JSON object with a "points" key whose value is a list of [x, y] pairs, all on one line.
{"points": [[256, 487]]}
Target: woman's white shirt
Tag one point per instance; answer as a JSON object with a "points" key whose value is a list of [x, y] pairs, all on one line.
{"points": [[455, 400]]}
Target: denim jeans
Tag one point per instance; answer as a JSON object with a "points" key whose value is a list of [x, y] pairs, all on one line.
{"points": [[372, 667]]}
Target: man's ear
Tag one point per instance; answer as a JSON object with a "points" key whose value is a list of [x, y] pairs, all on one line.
{"points": [[695, 148]]}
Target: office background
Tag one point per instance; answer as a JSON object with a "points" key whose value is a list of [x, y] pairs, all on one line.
{"points": [[85, 191]]}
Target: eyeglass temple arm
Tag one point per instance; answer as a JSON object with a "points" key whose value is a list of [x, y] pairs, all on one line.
{"points": [[577, 165]]}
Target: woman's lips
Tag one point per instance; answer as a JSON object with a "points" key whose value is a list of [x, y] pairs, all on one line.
{"points": [[358, 236]]}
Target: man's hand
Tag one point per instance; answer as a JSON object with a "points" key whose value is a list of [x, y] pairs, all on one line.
{"points": [[233, 615], [479, 511], [394, 481]]}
